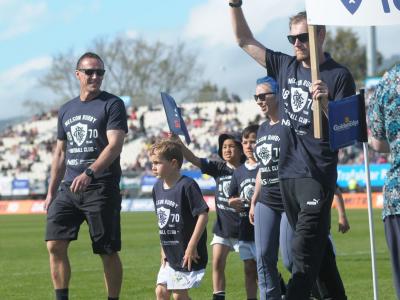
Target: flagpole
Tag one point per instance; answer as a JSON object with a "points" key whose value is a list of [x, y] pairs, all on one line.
{"points": [[370, 221]]}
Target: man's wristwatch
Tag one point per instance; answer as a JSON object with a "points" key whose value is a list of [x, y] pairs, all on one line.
{"points": [[238, 4], [89, 172]]}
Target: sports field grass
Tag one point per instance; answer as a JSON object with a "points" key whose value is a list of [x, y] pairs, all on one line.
{"points": [[24, 271]]}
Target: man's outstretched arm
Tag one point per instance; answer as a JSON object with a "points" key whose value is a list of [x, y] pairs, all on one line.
{"points": [[244, 36]]}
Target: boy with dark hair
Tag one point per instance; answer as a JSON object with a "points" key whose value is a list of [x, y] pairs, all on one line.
{"points": [[226, 226], [182, 219], [240, 193]]}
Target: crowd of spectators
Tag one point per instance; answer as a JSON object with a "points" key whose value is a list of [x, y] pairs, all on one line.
{"points": [[25, 148]]}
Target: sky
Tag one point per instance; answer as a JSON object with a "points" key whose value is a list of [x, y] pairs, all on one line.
{"points": [[32, 32]]}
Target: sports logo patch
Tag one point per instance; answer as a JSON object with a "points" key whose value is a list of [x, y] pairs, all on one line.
{"points": [[298, 99], [248, 192], [163, 216], [264, 152], [351, 5], [225, 188], [79, 132]]}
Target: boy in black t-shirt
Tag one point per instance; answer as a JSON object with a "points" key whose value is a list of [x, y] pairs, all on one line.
{"points": [[240, 193], [182, 219], [226, 226]]}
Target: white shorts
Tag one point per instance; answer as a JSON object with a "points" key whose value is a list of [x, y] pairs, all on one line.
{"points": [[232, 243], [177, 280], [247, 250]]}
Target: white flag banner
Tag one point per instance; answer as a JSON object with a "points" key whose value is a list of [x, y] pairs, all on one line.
{"points": [[353, 12]]}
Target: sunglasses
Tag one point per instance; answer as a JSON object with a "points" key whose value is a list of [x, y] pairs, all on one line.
{"points": [[302, 37], [90, 72], [262, 96]]}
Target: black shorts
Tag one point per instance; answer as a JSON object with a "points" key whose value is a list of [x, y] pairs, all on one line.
{"points": [[99, 205]]}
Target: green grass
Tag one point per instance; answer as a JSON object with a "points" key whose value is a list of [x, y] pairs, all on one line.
{"points": [[24, 271]]}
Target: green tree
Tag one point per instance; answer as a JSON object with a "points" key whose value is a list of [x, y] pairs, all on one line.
{"points": [[208, 92], [345, 48], [134, 68]]}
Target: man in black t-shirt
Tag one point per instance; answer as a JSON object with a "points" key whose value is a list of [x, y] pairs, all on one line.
{"points": [[86, 173], [307, 166]]}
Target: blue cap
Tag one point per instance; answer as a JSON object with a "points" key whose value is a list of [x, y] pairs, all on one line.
{"points": [[271, 81]]}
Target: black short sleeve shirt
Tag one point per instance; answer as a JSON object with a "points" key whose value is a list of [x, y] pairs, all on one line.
{"points": [[301, 154], [83, 125], [227, 223], [177, 210], [242, 185], [267, 154]]}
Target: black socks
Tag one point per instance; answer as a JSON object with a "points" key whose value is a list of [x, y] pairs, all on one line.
{"points": [[61, 294], [219, 296]]}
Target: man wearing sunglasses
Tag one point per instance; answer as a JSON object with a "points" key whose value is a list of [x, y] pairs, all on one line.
{"points": [[85, 175], [307, 166]]}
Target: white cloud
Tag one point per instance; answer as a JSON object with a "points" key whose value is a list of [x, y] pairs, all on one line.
{"points": [[72, 12], [15, 73], [131, 33], [211, 22], [18, 82], [19, 17]]}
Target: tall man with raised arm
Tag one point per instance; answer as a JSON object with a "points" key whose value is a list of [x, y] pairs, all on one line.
{"points": [[85, 175], [307, 166]]}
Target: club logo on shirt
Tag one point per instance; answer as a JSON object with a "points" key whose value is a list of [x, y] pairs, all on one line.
{"points": [[298, 99], [79, 132], [248, 192], [163, 216], [225, 188], [264, 152]]}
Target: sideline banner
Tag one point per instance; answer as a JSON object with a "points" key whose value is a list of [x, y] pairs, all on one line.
{"points": [[353, 12], [357, 172], [360, 200], [20, 207]]}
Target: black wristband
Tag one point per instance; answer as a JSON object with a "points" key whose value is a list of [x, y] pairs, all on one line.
{"points": [[239, 4]]}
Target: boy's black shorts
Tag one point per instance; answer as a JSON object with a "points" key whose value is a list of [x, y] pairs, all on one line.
{"points": [[99, 206]]}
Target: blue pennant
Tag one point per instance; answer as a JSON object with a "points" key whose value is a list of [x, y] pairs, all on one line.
{"points": [[351, 5]]}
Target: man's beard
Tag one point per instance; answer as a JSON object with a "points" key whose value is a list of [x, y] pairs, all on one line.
{"points": [[302, 56]]}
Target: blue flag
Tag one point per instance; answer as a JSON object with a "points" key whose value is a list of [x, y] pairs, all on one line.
{"points": [[174, 117], [347, 121]]}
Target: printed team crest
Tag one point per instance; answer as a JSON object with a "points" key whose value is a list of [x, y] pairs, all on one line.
{"points": [[248, 192], [264, 152], [163, 216], [298, 99], [79, 132], [225, 188], [351, 5]]}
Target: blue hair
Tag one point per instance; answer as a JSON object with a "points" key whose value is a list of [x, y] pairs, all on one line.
{"points": [[271, 81]]}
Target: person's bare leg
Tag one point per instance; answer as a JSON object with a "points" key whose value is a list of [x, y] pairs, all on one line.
{"points": [[112, 273], [180, 294], [162, 292], [250, 278], [60, 268], [220, 254]]}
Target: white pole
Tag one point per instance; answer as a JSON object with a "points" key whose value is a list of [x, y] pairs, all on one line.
{"points": [[371, 221], [371, 52]]}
